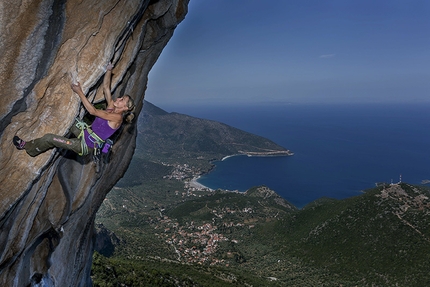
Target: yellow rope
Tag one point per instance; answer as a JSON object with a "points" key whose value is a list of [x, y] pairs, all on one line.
{"points": [[82, 126]]}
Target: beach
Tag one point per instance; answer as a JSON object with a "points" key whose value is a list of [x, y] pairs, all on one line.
{"points": [[194, 184]]}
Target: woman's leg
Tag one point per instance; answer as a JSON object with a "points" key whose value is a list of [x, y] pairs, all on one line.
{"points": [[48, 141], [75, 131]]}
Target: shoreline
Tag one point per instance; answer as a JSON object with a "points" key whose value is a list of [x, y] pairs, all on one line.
{"points": [[193, 183], [229, 156], [261, 154]]}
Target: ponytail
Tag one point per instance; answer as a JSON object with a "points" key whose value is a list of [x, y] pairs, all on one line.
{"points": [[128, 117]]}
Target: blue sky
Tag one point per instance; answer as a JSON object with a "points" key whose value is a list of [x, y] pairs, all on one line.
{"points": [[301, 51]]}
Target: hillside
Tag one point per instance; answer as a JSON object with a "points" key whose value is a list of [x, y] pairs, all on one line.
{"points": [[165, 229], [381, 238], [181, 138], [181, 146]]}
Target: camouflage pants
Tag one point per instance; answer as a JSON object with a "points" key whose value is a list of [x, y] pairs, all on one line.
{"points": [[48, 141]]}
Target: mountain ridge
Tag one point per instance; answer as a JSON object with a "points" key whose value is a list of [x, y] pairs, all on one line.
{"points": [[182, 136]]}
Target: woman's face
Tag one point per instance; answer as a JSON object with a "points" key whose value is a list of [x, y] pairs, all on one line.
{"points": [[121, 103]]}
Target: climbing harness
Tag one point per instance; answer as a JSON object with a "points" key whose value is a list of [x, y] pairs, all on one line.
{"points": [[99, 144], [102, 148]]}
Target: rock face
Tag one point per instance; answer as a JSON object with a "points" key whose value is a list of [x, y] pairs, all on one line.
{"points": [[48, 203]]}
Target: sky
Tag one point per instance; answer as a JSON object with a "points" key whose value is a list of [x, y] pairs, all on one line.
{"points": [[229, 52]]}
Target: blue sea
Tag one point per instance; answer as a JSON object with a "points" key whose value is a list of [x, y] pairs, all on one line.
{"points": [[339, 150]]}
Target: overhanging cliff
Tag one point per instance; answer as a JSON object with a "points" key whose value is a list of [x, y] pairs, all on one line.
{"points": [[48, 203]]}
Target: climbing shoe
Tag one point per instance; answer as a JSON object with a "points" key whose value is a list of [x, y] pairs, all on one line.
{"points": [[19, 143]]}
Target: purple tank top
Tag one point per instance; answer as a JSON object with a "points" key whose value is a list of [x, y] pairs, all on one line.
{"points": [[101, 128]]}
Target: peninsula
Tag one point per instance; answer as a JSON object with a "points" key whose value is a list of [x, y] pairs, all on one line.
{"points": [[179, 138]]}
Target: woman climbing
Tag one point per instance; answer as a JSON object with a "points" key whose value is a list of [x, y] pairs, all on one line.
{"points": [[105, 124]]}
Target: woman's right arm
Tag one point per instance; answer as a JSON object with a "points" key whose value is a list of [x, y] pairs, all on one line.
{"points": [[117, 118]]}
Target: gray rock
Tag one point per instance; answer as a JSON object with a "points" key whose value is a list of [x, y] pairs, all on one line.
{"points": [[48, 203]]}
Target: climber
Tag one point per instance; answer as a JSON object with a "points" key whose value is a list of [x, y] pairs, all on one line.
{"points": [[105, 124]]}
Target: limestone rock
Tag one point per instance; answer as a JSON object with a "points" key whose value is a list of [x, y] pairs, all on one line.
{"points": [[48, 203]]}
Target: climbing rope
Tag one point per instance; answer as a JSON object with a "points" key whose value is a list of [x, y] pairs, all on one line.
{"points": [[98, 142]]}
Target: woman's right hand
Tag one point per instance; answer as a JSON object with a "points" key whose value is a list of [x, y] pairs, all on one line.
{"points": [[109, 67]]}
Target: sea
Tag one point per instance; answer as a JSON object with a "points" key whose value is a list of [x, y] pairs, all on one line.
{"points": [[340, 150]]}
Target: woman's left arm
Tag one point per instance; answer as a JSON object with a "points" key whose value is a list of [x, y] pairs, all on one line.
{"points": [[106, 86]]}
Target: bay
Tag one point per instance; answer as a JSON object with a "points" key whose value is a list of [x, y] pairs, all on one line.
{"points": [[339, 150]]}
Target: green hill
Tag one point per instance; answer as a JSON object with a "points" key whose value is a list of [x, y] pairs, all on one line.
{"points": [[168, 233], [381, 238]]}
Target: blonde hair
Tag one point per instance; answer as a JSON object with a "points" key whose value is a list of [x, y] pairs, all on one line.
{"points": [[129, 115]]}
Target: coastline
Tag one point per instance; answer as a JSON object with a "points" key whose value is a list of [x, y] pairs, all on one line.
{"points": [[198, 186], [261, 154], [273, 153], [310, 182], [269, 153], [195, 184], [229, 156]]}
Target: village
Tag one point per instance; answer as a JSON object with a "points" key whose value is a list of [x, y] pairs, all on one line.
{"points": [[198, 243]]}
